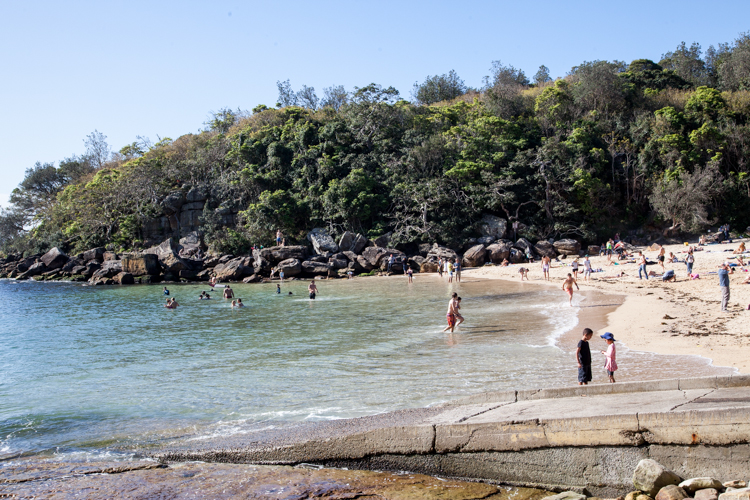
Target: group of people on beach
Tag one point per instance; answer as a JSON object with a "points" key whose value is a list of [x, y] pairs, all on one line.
{"points": [[450, 267]]}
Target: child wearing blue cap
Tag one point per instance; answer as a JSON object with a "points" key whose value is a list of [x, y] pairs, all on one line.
{"points": [[611, 364]]}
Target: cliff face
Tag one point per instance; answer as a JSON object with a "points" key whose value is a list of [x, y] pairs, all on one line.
{"points": [[182, 213]]}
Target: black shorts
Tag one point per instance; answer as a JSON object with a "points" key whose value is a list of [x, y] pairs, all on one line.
{"points": [[312, 295], [661, 258], [584, 373]]}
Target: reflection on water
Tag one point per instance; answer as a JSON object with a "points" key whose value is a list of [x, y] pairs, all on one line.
{"points": [[91, 368]]}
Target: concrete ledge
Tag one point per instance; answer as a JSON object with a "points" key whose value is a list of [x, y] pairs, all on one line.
{"points": [[711, 427]]}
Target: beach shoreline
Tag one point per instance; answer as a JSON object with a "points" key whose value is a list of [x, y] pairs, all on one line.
{"points": [[680, 318]]}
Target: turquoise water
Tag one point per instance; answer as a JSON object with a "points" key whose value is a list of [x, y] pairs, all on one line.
{"points": [[92, 369]]}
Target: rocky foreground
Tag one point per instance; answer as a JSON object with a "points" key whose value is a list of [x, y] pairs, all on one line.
{"points": [[190, 260]]}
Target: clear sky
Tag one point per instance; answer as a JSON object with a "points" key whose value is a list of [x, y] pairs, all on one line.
{"points": [[158, 68]]}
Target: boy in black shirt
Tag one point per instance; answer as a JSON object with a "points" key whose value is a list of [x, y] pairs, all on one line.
{"points": [[583, 355]]}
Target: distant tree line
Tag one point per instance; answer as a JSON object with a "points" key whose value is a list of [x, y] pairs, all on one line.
{"points": [[609, 147]]}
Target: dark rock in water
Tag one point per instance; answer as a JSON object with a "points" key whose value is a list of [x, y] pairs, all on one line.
{"points": [[322, 241], [110, 256], [141, 264], [291, 267], [204, 275], [516, 256], [254, 278], [374, 254], [494, 226], [567, 247], [54, 259], [486, 240], [34, 270], [94, 254], [78, 270], [124, 278], [109, 269], [72, 264], [319, 268], [475, 256], [545, 249], [187, 274]]}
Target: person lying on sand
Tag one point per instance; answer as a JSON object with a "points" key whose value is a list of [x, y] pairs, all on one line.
{"points": [[505, 263]]}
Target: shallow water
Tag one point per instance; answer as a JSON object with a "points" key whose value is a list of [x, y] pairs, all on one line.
{"points": [[92, 369]]}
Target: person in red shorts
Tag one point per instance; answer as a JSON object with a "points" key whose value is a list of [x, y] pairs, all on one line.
{"points": [[451, 314]]}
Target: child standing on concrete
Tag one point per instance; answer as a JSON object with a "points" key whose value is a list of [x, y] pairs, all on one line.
{"points": [[583, 355], [611, 364]]}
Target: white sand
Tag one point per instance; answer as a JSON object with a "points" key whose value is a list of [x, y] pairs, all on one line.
{"points": [[698, 328]]}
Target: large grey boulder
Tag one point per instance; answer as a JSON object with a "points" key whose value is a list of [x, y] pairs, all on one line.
{"points": [[234, 270], [322, 241], [34, 270], [94, 254], [359, 243], [124, 278], [525, 246], [279, 253], [141, 264], [399, 258], [499, 251], [317, 268], [516, 256], [364, 263], [383, 240], [486, 240], [438, 252], [650, 477], [338, 263], [373, 255], [72, 264], [54, 259], [428, 267], [91, 267], [291, 267], [707, 494], [345, 242], [415, 262], [545, 249], [700, 483], [491, 225], [475, 256], [262, 266], [567, 247]]}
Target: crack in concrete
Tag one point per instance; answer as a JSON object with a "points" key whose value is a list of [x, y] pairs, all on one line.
{"points": [[692, 400], [464, 419]]}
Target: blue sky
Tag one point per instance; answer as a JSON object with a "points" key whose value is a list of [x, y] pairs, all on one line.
{"points": [[158, 68]]}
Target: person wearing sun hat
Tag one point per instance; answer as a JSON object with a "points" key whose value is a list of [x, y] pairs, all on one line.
{"points": [[611, 364]]}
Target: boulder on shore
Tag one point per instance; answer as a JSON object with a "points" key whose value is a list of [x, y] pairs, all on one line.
{"points": [[279, 253], [438, 252], [373, 255], [671, 492], [124, 278], [291, 267], [316, 268], [499, 251], [545, 249], [234, 270], [475, 256], [567, 247], [94, 254], [492, 225], [54, 259], [322, 241], [650, 477], [700, 483]]}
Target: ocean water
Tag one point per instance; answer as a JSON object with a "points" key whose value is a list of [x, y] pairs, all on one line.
{"points": [[90, 371]]}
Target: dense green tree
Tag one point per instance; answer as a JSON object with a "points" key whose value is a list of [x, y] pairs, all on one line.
{"points": [[438, 88]]}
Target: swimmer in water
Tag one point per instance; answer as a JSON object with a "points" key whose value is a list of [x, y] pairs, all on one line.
{"points": [[278, 288], [312, 289], [239, 303]]}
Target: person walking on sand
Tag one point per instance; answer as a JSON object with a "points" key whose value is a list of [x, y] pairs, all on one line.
{"points": [[449, 270], [457, 269], [574, 267], [545, 267], [586, 269], [312, 289], [610, 353], [568, 287], [724, 272], [660, 259], [583, 356], [642, 265], [451, 314]]}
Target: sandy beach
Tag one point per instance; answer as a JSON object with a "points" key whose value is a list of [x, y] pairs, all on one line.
{"points": [[682, 317]]}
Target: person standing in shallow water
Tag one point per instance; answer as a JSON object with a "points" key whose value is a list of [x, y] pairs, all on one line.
{"points": [[610, 353], [312, 289], [568, 287], [451, 314], [583, 356]]}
